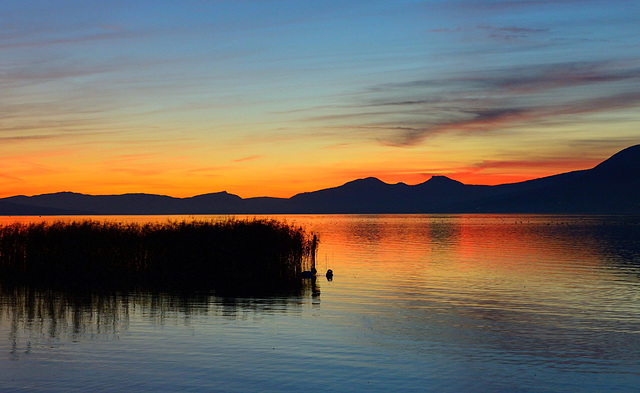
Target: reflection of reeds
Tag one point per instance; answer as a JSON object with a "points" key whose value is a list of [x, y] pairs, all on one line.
{"points": [[47, 313], [231, 254]]}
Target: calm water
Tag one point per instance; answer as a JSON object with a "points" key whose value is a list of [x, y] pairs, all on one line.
{"points": [[418, 303]]}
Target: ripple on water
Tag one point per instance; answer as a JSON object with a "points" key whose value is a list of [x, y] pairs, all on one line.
{"points": [[441, 303]]}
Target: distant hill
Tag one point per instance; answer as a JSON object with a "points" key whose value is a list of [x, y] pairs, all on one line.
{"points": [[612, 187], [17, 209]]}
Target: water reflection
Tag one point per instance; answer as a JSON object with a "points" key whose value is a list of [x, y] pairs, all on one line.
{"points": [[558, 291], [34, 314], [448, 303]]}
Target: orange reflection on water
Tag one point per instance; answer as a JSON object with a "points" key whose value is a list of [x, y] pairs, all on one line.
{"points": [[465, 242], [429, 245], [480, 263], [539, 284]]}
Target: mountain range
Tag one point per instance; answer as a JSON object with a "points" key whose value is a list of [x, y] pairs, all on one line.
{"points": [[612, 187]]}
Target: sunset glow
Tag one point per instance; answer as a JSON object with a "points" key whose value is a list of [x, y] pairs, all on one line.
{"points": [[266, 98]]}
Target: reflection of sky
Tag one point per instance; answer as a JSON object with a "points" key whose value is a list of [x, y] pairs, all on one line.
{"points": [[457, 303], [265, 97], [556, 288]]}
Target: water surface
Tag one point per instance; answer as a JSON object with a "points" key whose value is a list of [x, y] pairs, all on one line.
{"points": [[418, 303]]}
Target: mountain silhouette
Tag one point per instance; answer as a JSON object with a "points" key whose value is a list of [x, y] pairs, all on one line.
{"points": [[612, 187]]}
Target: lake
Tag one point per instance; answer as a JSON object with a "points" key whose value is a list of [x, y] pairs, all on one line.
{"points": [[461, 303]]}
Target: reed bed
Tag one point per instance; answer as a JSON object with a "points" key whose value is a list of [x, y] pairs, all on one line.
{"points": [[230, 254]]}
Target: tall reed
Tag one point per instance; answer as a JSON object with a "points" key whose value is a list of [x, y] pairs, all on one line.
{"points": [[242, 254]]}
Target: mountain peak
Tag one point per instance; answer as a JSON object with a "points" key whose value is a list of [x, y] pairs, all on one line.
{"points": [[610, 188], [369, 181], [439, 180], [625, 160]]}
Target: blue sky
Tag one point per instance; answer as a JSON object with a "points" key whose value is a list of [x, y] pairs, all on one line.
{"points": [[279, 97]]}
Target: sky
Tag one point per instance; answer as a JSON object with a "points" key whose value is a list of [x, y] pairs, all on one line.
{"points": [[278, 97]]}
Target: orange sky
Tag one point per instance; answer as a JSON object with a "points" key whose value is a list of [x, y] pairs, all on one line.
{"points": [[277, 98]]}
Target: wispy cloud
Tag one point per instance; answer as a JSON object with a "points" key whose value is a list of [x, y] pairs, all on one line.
{"points": [[485, 120], [209, 171], [139, 171], [9, 177], [130, 158], [45, 71], [488, 100], [603, 147], [507, 5], [505, 33], [248, 158], [110, 83], [80, 39], [514, 79], [528, 79], [23, 138], [537, 163]]}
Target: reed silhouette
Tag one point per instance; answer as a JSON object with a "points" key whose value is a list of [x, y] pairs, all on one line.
{"points": [[242, 255]]}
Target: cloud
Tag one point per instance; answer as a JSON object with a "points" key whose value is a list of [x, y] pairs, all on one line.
{"points": [[489, 100], [510, 33], [597, 146], [514, 29], [553, 76], [503, 33], [509, 5], [24, 138], [486, 120], [129, 158], [537, 163], [249, 158], [520, 79], [78, 39], [446, 30], [599, 104], [9, 177], [469, 121], [139, 171], [24, 76], [209, 171]]}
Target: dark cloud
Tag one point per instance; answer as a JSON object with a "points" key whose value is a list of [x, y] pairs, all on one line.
{"points": [[526, 78], [486, 101], [468, 120], [551, 76], [510, 32], [507, 31], [593, 105], [23, 138], [514, 29], [485, 120]]}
